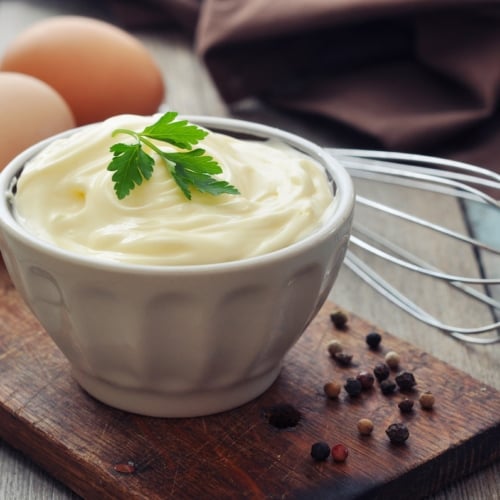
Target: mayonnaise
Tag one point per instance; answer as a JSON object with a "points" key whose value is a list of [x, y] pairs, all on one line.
{"points": [[65, 196]]}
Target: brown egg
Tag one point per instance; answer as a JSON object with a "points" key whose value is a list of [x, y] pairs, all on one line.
{"points": [[99, 69], [30, 110]]}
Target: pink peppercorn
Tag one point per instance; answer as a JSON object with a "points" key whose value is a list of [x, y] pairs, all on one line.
{"points": [[339, 453]]}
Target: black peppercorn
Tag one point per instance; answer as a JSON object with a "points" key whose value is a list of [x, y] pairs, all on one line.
{"points": [[320, 451], [373, 340], [283, 415], [387, 386], [381, 371], [342, 358], [398, 433], [406, 381], [406, 405], [339, 319], [366, 379], [353, 386]]}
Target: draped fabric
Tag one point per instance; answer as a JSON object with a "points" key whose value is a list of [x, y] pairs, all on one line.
{"points": [[407, 75]]}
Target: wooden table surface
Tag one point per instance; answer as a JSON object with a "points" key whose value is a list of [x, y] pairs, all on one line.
{"points": [[190, 91]]}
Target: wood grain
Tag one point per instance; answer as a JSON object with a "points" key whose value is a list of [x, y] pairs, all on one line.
{"points": [[238, 454]]}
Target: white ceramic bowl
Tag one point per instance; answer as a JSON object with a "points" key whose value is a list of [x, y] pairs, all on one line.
{"points": [[179, 341]]}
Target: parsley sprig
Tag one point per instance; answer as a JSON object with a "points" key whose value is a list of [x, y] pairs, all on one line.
{"points": [[191, 169]]}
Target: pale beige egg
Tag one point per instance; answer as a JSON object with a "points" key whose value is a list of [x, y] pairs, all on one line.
{"points": [[30, 110], [98, 68]]}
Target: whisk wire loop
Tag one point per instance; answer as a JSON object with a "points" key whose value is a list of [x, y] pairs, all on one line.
{"points": [[439, 175]]}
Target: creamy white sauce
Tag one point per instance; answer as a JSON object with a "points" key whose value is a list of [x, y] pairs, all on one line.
{"points": [[65, 196]]}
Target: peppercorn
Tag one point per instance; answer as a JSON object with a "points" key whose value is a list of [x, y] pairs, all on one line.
{"points": [[365, 426], [320, 451], [398, 433], [339, 453], [339, 319], [406, 381], [392, 359], [367, 379], [381, 371], [387, 386], [373, 340], [353, 386], [125, 467], [334, 347], [283, 415], [405, 405], [332, 389], [343, 358], [426, 400]]}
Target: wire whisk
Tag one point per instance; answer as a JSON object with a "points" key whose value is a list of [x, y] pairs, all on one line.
{"points": [[446, 177]]}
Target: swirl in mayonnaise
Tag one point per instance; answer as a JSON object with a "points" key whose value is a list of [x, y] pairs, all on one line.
{"points": [[65, 196]]}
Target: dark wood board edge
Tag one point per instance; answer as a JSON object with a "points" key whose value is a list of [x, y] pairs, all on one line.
{"points": [[89, 481], [426, 479], [50, 456]]}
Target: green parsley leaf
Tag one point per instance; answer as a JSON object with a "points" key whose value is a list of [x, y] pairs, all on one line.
{"points": [[178, 133], [130, 165], [190, 169], [194, 168]]}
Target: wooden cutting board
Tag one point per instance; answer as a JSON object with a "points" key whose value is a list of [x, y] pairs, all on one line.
{"points": [[104, 453]]}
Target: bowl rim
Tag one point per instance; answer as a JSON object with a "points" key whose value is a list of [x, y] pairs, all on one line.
{"points": [[343, 199]]}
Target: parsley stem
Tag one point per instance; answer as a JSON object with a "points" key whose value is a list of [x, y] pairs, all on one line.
{"points": [[126, 131], [150, 145], [142, 138]]}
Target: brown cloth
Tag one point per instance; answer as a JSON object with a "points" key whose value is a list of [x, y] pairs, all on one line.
{"points": [[407, 75]]}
